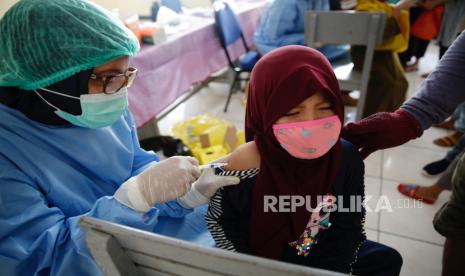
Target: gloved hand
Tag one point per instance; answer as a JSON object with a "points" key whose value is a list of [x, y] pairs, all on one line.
{"points": [[161, 182], [205, 188], [382, 130]]}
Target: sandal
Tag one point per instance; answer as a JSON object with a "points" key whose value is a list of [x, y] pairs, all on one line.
{"points": [[410, 190], [448, 141], [425, 75], [410, 67]]}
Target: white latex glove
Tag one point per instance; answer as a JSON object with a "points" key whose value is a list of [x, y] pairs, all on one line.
{"points": [[161, 182], [205, 187]]}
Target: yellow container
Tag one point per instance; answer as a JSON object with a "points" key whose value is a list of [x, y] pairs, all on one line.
{"points": [[208, 137], [207, 155]]}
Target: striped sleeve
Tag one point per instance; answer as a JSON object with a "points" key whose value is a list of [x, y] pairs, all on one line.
{"points": [[221, 221], [212, 218]]}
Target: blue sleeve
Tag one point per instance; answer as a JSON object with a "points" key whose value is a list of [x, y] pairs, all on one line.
{"points": [[142, 158], [38, 238], [279, 24], [321, 5], [285, 21], [443, 90], [292, 39]]}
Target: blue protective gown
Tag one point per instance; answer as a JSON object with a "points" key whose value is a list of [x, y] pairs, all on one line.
{"points": [[51, 176], [283, 23]]}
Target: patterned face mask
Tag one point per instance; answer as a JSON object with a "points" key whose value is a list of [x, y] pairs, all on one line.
{"points": [[308, 139]]}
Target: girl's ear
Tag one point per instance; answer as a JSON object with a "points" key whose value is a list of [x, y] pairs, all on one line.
{"points": [[245, 157]]}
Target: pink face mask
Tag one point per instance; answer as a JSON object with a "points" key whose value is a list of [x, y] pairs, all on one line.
{"points": [[308, 139]]}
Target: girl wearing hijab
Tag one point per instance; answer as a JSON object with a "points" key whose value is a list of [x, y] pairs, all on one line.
{"points": [[68, 143], [293, 122]]}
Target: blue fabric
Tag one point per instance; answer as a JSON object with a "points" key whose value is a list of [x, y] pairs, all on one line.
{"points": [[335, 52], [227, 24], [283, 23], [51, 176], [248, 61], [191, 227], [456, 150], [175, 5], [459, 117]]}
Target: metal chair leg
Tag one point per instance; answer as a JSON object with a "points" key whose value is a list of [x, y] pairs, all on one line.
{"points": [[231, 91]]}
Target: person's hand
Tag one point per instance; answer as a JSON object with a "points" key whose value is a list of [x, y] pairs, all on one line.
{"points": [[205, 188], [382, 130], [404, 4], [396, 12], [161, 182]]}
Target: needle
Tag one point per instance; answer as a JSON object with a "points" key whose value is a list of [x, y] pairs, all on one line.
{"points": [[212, 166]]}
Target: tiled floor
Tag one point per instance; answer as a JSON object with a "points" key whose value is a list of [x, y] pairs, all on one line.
{"points": [[408, 226]]}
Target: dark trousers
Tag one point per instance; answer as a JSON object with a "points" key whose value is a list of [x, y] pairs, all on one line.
{"points": [[376, 259], [442, 50], [416, 46], [453, 259]]}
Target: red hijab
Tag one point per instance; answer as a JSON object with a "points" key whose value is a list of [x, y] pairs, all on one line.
{"points": [[280, 81]]}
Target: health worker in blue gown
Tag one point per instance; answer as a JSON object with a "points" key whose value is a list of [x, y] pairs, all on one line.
{"points": [[68, 143], [283, 23]]}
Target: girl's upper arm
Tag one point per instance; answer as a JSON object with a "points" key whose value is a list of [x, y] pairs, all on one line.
{"points": [[244, 157]]}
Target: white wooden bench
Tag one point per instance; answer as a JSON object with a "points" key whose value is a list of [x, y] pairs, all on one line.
{"points": [[122, 250]]}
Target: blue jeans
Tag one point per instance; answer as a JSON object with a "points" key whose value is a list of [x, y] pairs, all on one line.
{"points": [[459, 118], [456, 150]]}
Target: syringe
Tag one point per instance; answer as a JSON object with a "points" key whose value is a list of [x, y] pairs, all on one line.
{"points": [[212, 166]]}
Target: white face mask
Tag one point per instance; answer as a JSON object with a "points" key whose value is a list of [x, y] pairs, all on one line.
{"points": [[98, 110]]}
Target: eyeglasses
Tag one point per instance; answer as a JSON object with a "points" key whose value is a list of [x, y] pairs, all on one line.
{"points": [[114, 83]]}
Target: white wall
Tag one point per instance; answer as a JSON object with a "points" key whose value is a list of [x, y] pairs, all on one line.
{"points": [[5, 5], [143, 6], [128, 6]]}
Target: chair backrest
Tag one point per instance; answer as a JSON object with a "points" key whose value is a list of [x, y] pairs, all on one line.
{"points": [[344, 27], [348, 27], [121, 250], [227, 27], [175, 5], [226, 21]]}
